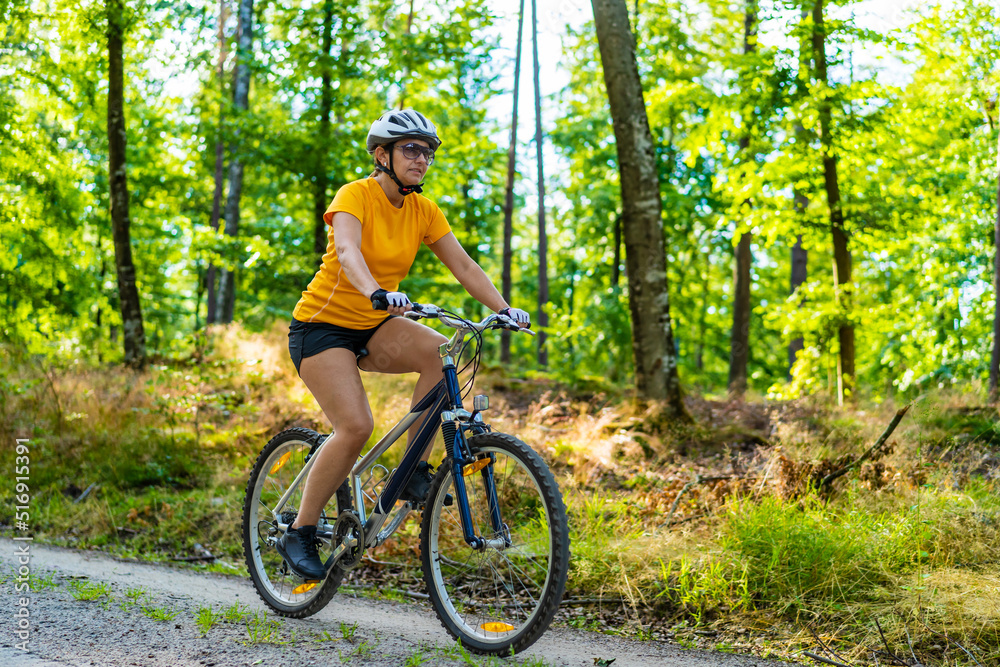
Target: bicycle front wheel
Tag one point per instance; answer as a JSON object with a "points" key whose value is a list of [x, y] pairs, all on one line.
{"points": [[273, 473], [503, 596]]}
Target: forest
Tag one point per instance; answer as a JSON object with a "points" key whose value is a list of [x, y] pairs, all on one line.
{"points": [[747, 234]]}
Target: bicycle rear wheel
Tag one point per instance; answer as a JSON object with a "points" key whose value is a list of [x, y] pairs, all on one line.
{"points": [[274, 471], [504, 596]]}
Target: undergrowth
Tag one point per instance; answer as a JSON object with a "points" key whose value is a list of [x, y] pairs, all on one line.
{"points": [[757, 559]]}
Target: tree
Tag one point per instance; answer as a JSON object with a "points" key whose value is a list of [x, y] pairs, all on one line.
{"points": [[508, 206], [320, 194], [220, 149], [645, 255], [134, 337], [995, 357], [739, 344], [799, 255], [241, 92], [543, 275], [842, 261]]}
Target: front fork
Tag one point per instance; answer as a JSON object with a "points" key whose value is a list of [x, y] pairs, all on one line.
{"points": [[454, 425]]}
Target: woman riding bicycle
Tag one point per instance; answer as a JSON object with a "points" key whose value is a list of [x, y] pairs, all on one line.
{"points": [[375, 232]]}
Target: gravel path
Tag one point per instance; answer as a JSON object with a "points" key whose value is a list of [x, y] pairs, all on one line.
{"points": [[116, 631]]}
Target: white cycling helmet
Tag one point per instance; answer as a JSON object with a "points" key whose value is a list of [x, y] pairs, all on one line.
{"points": [[403, 124]]}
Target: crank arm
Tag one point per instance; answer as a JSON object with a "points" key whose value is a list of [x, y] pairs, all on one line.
{"points": [[349, 543]]}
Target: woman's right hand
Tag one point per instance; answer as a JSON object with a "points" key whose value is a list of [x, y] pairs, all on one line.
{"points": [[396, 303]]}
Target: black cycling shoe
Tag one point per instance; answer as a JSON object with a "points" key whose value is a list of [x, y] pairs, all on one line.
{"points": [[298, 548], [419, 486]]}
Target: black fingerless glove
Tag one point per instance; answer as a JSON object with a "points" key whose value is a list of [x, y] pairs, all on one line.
{"points": [[379, 302]]}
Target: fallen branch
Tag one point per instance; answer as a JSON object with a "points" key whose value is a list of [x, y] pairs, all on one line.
{"points": [[83, 496], [916, 663], [825, 647], [820, 658], [871, 450], [888, 650]]}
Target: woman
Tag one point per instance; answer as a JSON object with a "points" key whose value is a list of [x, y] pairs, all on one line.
{"points": [[376, 229]]}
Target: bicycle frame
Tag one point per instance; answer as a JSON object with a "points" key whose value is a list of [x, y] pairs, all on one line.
{"points": [[441, 406]]}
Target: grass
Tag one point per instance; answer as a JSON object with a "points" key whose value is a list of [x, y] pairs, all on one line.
{"points": [[416, 659], [205, 618], [158, 613], [44, 581], [348, 631], [910, 539], [364, 649], [263, 630], [88, 592], [236, 614]]}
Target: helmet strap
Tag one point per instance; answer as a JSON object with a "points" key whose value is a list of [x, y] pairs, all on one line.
{"points": [[403, 189]]}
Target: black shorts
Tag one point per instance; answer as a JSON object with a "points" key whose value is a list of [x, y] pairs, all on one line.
{"points": [[308, 338]]}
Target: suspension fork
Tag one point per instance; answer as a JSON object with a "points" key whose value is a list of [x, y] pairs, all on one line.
{"points": [[458, 452]]}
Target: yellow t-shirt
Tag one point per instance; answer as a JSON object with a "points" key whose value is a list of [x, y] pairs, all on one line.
{"points": [[390, 238]]}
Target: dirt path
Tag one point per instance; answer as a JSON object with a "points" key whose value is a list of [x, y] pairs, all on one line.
{"points": [[115, 630]]}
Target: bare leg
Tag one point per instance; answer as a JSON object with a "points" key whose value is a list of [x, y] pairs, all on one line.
{"points": [[333, 378], [404, 346]]}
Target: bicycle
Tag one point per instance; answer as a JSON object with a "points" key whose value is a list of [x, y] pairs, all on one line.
{"points": [[494, 545]]}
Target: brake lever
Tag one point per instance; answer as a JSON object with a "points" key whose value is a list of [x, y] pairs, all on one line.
{"points": [[510, 325], [422, 310]]}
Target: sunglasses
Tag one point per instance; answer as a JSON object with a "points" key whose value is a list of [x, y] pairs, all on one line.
{"points": [[413, 151]]}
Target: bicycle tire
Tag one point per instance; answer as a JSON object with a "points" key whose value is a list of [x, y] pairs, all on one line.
{"points": [[497, 600], [284, 592]]}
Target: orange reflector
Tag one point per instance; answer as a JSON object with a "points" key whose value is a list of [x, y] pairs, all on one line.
{"points": [[475, 467], [281, 462], [497, 627], [304, 588]]}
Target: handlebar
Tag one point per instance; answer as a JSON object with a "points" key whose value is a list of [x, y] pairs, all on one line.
{"points": [[493, 321]]}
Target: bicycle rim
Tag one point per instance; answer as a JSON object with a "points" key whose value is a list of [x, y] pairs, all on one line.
{"points": [[275, 470], [501, 597]]}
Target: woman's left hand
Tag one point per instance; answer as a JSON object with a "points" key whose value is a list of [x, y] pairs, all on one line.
{"points": [[522, 317]]}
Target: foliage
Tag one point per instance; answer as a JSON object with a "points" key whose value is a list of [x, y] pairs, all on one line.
{"points": [[918, 184]]}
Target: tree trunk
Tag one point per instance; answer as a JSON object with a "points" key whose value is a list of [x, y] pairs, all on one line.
{"points": [[841, 253], [800, 256], [617, 260], [800, 269], [97, 319], [543, 277], [642, 222], [128, 293], [995, 358], [699, 355], [220, 149], [508, 205], [739, 341], [320, 197], [241, 93], [199, 293]]}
